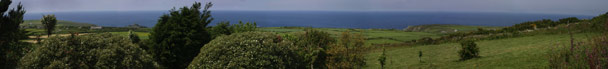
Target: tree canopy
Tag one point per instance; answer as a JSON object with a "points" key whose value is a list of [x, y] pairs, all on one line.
{"points": [[49, 22]]}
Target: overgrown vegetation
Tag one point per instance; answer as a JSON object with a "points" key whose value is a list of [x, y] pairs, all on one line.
{"points": [[312, 45], [224, 28], [590, 54], [88, 51], [348, 52]]}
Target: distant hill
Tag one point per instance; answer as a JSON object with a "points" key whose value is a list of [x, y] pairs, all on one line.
{"points": [[59, 23], [447, 28]]}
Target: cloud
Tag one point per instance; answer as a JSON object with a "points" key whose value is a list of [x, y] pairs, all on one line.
{"points": [[585, 7]]}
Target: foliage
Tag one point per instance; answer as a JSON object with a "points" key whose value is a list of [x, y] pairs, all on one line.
{"points": [[224, 28], [10, 34], [312, 44], [243, 27], [49, 22], [221, 28], [248, 50], [89, 51], [134, 38], [382, 58], [179, 35], [569, 20], [346, 53], [581, 55], [468, 50]]}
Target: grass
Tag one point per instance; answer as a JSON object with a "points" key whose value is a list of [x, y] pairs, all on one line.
{"points": [[374, 36], [512, 53], [142, 35]]}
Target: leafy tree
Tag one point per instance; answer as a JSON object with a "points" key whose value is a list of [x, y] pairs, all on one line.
{"points": [[10, 34], [346, 53], [179, 35], [89, 51], [468, 50], [243, 27], [49, 22], [248, 50], [382, 58], [134, 38], [222, 28], [312, 44]]}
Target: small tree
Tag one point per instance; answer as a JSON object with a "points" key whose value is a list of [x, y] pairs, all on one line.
{"points": [[49, 22], [382, 58], [468, 50], [134, 38], [420, 56]]}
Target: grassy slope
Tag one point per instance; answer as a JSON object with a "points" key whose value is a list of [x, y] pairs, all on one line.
{"points": [[437, 28], [59, 23], [512, 53], [373, 36]]}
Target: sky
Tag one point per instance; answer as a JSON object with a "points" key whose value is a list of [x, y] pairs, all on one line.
{"points": [[574, 7]]}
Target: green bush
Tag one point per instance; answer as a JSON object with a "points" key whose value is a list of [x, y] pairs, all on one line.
{"points": [[88, 51], [468, 50], [248, 50]]}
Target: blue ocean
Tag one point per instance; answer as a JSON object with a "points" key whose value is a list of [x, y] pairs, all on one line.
{"points": [[326, 19]]}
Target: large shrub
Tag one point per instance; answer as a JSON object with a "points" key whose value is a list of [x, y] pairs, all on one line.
{"points": [[468, 50], [89, 51], [179, 35], [249, 50]]}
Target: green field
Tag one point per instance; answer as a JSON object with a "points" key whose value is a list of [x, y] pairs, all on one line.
{"points": [[59, 23], [512, 53], [142, 35], [374, 36]]}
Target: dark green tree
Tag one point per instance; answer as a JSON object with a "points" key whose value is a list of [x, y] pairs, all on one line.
{"points": [[468, 50], [49, 22], [134, 38], [222, 28], [248, 50], [179, 35], [10, 34]]}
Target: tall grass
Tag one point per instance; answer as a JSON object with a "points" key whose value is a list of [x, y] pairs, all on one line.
{"points": [[590, 54]]}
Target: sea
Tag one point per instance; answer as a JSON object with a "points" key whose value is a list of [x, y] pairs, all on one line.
{"points": [[319, 19]]}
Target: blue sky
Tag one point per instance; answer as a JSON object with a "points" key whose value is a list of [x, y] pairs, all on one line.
{"points": [[576, 7]]}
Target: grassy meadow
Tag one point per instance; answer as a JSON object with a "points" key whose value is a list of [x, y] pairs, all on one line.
{"points": [[512, 53]]}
